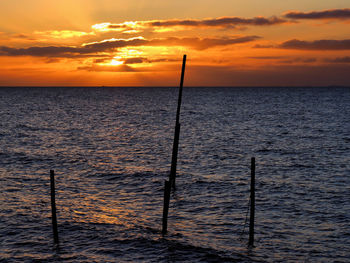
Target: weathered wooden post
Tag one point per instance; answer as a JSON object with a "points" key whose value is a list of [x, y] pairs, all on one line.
{"points": [[172, 176], [53, 207], [167, 187], [252, 203]]}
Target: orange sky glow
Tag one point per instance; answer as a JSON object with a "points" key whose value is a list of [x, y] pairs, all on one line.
{"points": [[141, 43]]}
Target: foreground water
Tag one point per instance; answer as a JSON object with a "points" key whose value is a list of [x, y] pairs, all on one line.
{"points": [[111, 151]]}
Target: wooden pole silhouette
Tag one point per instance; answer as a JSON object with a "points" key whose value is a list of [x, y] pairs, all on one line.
{"points": [[53, 207], [252, 203], [172, 175], [167, 188]]}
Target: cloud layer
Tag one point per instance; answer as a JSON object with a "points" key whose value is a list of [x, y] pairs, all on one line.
{"points": [[317, 44], [325, 14], [271, 51], [164, 25], [227, 22], [339, 60], [112, 44]]}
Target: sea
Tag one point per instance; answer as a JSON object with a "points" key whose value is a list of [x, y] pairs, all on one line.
{"points": [[111, 147]]}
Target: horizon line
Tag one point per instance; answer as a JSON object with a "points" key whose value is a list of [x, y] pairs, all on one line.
{"points": [[157, 86]]}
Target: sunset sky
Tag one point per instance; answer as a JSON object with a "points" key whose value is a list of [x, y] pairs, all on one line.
{"points": [[141, 42]]}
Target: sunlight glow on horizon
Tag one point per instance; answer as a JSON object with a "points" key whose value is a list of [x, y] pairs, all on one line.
{"points": [[115, 62], [241, 50]]}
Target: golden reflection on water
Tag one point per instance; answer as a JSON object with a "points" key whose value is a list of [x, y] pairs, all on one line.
{"points": [[93, 209], [95, 218]]}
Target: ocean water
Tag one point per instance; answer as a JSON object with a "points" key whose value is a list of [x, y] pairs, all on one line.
{"points": [[111, 152]]}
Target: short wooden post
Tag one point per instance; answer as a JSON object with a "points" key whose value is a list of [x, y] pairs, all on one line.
{"points": [[167, 186], [53, 207], [252, 203]]}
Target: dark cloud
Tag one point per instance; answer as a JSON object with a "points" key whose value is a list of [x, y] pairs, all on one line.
{"points": [[118, 26], [108, 45], [50, 51], [221, 22], [23, 36], [339, 60], [63, 51], [201, 44], [164, 60], [263, 46], [101, 60], [316, 45], [113, 43], [325, 14], [196, 43], [298, 61], [286, 60], [53, 60], [306, 60], [226, 22], [136, 60]]}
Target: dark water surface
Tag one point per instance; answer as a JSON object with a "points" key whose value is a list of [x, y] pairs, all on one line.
{"points": [[111, 151]]}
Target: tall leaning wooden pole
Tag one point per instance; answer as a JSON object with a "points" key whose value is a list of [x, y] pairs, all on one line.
{"points": [[172, 175]]}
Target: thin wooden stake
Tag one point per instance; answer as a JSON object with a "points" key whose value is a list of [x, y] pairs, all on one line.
{"points": [[172, 176], [167, 187], [53, 207], [252, 203]]}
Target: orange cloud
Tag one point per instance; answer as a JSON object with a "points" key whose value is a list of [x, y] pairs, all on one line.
{"points": [[16, 37], [59, 34], [125, 27]]}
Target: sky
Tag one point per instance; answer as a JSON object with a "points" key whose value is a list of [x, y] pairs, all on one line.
{"points": [[141, 42]]}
